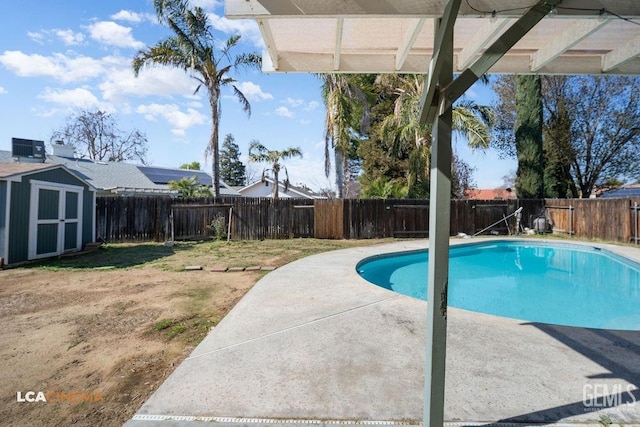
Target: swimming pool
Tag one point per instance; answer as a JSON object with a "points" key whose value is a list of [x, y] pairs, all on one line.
{"points": [[564, 284]]}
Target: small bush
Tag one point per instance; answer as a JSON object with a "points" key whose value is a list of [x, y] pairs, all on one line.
{"points": [[218, 227]]}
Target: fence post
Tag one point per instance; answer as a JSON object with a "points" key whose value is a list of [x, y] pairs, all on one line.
{"points": [[571, 208], [635, 222]]}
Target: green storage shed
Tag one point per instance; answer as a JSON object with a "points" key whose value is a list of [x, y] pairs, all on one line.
{"points": [[45, 210]]}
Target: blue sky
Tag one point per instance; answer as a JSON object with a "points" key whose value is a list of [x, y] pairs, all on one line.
{"points": [[59, 57]]}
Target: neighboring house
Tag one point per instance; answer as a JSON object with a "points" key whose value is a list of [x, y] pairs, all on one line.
{"points": [[45, 210], [265, 189], [491, 194], [114, 178], [632, 190]]}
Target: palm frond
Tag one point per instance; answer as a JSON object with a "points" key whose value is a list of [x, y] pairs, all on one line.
{"points": [[246, 107]]}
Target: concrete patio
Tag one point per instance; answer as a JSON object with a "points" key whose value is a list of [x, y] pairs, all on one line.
{"points": [[314, 343]]}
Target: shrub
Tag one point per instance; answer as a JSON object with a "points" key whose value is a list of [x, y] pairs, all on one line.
{"points": [[218, 227]]}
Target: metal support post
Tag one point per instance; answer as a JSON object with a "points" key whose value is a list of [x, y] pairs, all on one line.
{"points": [[438, 270]]}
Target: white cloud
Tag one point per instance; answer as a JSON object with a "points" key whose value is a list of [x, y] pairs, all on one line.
{"points": [[128, 16], [112, 34], [179, 120], [293, 102], [79, 97], [161, 81], [311, 106], [205, 4], [58, 66], [134, 17], [247, 28], [253, 92], [284, 112], [36, 37], [2, 90], [68, 37]]}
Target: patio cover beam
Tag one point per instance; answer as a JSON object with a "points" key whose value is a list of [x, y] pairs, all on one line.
{"points": [[267, 36], [568, 38], [488, 31], [409, 38], [446, 25], [497, 50], [256, 9], [336, 54], [623, 54], [440, 74]]}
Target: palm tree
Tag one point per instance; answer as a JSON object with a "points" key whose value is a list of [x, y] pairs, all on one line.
{"points": [[189, 187], [260, 154], [403, 127], [347, 107], [192, 49]]}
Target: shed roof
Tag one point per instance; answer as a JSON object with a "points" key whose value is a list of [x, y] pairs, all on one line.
{"points": [[364, 36], [8, 170]]}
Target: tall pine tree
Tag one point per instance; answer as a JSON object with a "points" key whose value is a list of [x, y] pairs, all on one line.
{"points": [[528, 132], [232, 170]]}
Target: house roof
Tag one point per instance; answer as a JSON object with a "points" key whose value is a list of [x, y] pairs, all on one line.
{"points": [[397, 36], [122, 177], [108, 175], [491, 194], [13, 169], [622, 192], [292, 190]]}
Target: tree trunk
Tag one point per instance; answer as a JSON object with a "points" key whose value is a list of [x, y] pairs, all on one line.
{"points": [[339, 160], [213, 142], [276, 192]]}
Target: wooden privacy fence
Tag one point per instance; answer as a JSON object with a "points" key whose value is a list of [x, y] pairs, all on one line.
{"points": [[375, 218], [125, 219], [122, 219], [606, 219]]}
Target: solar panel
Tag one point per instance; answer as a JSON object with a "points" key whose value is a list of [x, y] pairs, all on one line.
{"points": [[164, 175], [621, 193]]}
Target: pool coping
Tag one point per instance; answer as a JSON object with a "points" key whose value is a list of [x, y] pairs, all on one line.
{"points": [[301, 348]]}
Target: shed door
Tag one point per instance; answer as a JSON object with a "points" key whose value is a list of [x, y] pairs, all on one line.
{"points": [[55, 220]]}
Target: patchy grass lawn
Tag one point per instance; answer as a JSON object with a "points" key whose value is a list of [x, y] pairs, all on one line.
{"points": [[98, 333]]}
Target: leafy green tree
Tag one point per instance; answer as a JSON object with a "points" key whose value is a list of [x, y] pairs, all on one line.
{"points": [[528, 134], [384, 188], [194, 49], [403, 128], [380, 156], [556, 145], [189, 187], [260, 154], [347, 109], [232, 170], [194, 166], [590, 129]]}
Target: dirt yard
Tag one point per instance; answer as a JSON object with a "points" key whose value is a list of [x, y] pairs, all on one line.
{"points": [[95, 335]]}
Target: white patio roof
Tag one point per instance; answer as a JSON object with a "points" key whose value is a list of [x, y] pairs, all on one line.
{"points": [[373, 36]]}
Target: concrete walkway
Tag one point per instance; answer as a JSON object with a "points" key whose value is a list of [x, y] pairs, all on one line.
{"points": [[313, 343]]}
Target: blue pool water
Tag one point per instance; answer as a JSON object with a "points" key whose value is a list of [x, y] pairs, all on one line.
{"points": [[561, 284]]}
